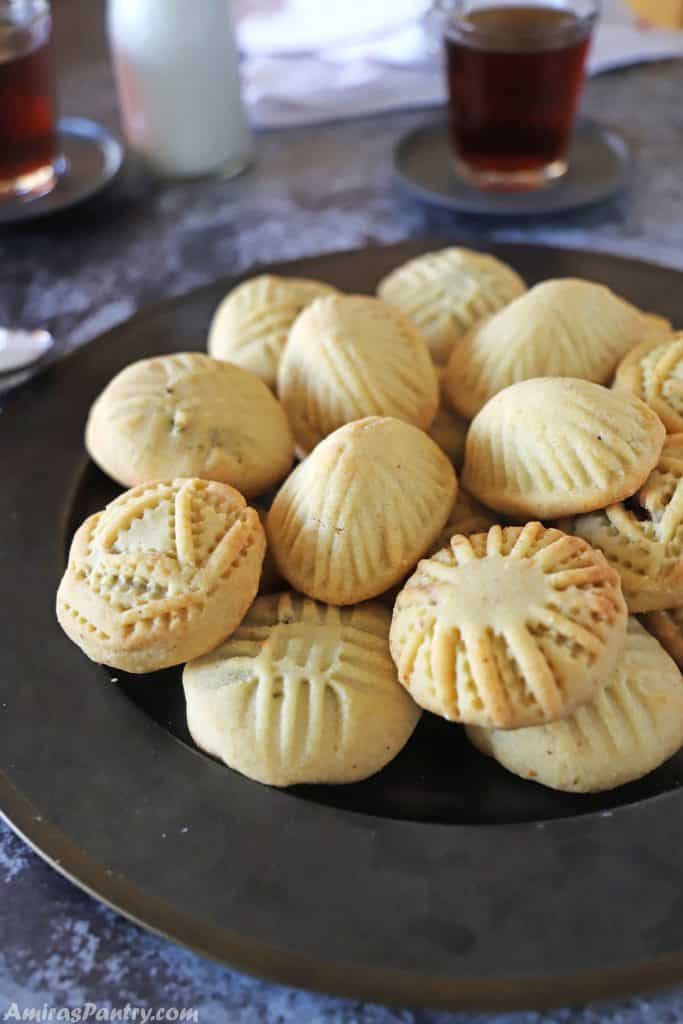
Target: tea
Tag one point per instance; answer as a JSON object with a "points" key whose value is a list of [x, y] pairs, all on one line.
{"points": [[27, 108], [514, 77]]}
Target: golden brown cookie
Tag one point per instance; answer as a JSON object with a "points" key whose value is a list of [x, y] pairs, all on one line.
{"points": [[161, 575], [554, 447], [632, 725], [654, 372], [444, 293], [560, 328], [355, 517], [301, 692], [351, 356], [187, 415], [643, 538], [509, 628], [251, 325]]}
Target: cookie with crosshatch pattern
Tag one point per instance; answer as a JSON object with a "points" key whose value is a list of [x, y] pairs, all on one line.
{"points": [[560, 328], [351, 356], [509, 628], [643, 538], [301, 692], [164, 573], [654, 372], [632, 725], [444, 293], [251, 325], [188, 415], [356, 515], [556, 446]]}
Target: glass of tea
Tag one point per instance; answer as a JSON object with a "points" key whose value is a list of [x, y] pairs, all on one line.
{"points": [[515, 71], [28, 142]]}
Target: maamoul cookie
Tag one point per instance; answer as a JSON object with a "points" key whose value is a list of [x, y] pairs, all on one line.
{"points": [[450, 433], [350, 356], [189, 415], [562, 328], [467, 516], [631, 726], [556, 446], [513, 627], [161, 575], [356, 516], [643, 538], [654, 372], [667, 627], [445, 292], [302, 692], [251, 325]]}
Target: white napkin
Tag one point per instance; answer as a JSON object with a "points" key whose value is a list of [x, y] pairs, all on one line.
{"points": [[305, 65]]}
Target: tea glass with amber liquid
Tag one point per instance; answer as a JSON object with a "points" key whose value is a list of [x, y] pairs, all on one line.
{"points": [[29, 159], [515, 73]]}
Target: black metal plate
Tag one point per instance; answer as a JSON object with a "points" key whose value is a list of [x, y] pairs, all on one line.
{"points": [[443, 880], [599, 166]]}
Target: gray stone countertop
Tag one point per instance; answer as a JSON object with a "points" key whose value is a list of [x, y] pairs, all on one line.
{"points": [[308, 191]]}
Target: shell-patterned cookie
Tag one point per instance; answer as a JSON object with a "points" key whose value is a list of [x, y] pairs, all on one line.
{"points": [[188, 415], [509, 628], [351, 356], [164, 573], [643, 538], [654, 372], [632, 725], [556, 447], [667, 627], [559, 328], [251, 325], [301, 692], [444, 293], [358, 513]]}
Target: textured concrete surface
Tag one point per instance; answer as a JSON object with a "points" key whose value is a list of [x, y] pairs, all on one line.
{"points": [[309, 191]]}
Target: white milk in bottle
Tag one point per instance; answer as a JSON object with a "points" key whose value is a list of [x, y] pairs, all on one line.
{"points": [[177, 71]]}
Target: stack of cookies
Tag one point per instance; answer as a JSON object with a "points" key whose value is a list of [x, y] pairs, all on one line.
{"points": [[366, 584]]}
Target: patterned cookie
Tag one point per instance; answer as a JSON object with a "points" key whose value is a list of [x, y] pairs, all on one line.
{"points": [[563, 328], [509, 628], [467, 516], [251, 325], [643, 538], [302, 692], [450, 433], [188, 415], [631, 726], [351, 356], [444, 293], [161, 575], [556, 447], [654, 372], [356, 516], [667, 627]]}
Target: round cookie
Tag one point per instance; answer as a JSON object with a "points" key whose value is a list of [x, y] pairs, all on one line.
{"points": [[654, 372], [188, 415], [444, 293], [302, 692], [631, 726], [161, 575], [355, 517], [556, 446], [643, 538], [560, 328], [467, 516], [667, 627], [351, 356], [509, 628], [251, 325]]}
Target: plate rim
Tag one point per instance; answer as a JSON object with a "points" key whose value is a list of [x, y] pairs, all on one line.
{"points": [[617, 142], [285, 967]]}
